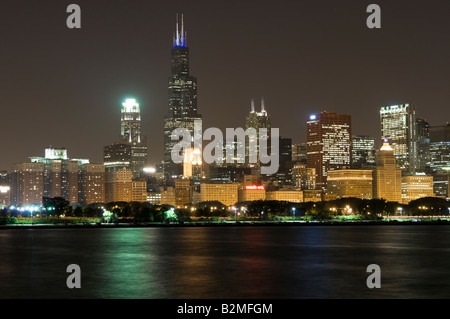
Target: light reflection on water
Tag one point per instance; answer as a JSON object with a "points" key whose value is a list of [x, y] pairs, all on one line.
{"points": [[230, 262]]}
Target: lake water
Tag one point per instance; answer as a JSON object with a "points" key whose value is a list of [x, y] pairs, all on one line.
{"points": [[285, 262]]}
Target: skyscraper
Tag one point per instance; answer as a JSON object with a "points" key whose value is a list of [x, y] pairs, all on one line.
{"points": [[329, 142], [130, 133], [256, 120], [423, 145], [387, 177], [363, 151], [182, 94], [398, 126]]}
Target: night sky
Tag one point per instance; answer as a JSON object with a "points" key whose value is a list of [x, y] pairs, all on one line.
{"points": [[63, 87]]}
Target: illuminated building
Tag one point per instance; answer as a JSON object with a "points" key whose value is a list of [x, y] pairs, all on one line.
{"points": [[256, 120], [227, 194], [415, 187], [363, 151], [440, 148], [293, 196], [440, 159], [5, 195], [92, 183], [350, 183], [182, 100], [312, 195], [303, 177], [60, 174], [130, 133], [183, 192], [329, 141], [398, 126], [192, 164], [251, 193], [228, 174], [299, 153], [387, 177], [139, 191], [27, 183], [168, 196]]}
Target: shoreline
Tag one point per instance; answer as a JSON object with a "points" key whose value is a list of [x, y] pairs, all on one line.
{"points": [[227, 224]]}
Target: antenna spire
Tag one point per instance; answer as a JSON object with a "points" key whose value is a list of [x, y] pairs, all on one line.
{"points": [[262, 105], [253, 105]]}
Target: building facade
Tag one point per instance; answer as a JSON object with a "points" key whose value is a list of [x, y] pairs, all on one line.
{"points": [[398, 126], [350, 183], [329, 142], [387, 177], [415, 187], [182, 94]]}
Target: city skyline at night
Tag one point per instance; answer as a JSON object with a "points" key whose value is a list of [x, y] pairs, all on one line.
{"points": [[338, 65]]}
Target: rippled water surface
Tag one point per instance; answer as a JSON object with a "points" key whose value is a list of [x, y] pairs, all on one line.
{"points": [[227, 262]]}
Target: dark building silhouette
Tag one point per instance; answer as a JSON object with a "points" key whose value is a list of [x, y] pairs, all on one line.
{"points": [[182, 103]]}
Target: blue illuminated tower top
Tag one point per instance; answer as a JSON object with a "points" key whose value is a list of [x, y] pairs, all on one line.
{"points": [[180, 36]]}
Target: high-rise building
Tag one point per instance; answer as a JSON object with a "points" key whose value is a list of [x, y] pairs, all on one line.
{"points": [[387, 177], [299, 153], [27, 183], [363, 151], [91, 183], [423, 145], [440, 148], [256, 120], [130, 133], [350, 183], [60, 174], [303, 177], [440, 159], [283, 176], [398, 126], [329, 142], [182, 94]]}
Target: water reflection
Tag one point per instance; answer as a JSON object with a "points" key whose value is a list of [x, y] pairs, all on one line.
{"points": [[247, 262]]}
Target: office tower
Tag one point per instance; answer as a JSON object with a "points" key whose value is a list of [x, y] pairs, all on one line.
{"points": [[415, 187], [182, 94], [303, 177], [350, 183], [27, 183], [130, 133], [329, 142], [398, 126], [256, 120], [91, 183], [387, 177], [116, 157], [363, 151], [440, 148], [60, 174], [423, 145], [283, 176], [440, 159], [299, 153]]}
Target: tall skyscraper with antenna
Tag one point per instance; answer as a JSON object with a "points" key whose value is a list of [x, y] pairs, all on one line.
{"points": [[257, 120], [182, 94]]}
